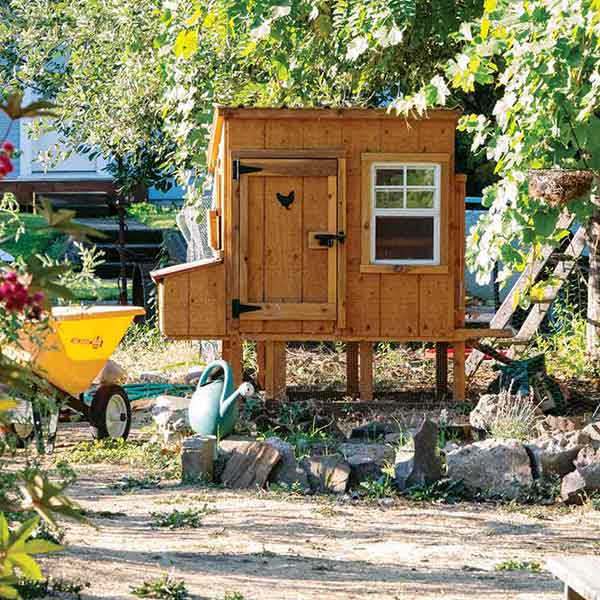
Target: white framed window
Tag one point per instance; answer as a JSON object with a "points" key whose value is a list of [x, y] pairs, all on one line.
{"points": [[405, 213]]}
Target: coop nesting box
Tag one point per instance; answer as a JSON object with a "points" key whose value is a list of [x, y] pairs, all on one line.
{"points": [[327, 224]]}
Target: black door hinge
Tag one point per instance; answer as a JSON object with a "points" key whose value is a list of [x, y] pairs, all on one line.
{"points": [[327, 239], [240, 169], [237, 308]]}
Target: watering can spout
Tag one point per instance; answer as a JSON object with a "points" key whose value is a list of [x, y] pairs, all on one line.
{"points": [[245, 390]]}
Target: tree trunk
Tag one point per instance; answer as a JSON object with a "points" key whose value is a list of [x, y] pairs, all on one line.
{"points": [[593, 310]]}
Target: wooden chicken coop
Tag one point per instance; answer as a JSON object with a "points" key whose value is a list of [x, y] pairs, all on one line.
{"points": [[343, 225]]}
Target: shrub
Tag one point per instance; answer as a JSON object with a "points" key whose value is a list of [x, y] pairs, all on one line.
{"points": [[515, 416]]}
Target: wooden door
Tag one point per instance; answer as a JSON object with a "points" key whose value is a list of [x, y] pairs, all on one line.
{"points": [[286, 271]]}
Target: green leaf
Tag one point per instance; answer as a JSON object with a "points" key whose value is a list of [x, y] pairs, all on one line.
{"points": [[186, 43], [544, 223]]}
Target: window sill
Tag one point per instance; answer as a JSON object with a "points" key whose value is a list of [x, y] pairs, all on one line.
{"points": [[407, 269]]}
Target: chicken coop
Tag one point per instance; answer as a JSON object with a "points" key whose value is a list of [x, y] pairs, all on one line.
{"points": [[327, 225]]}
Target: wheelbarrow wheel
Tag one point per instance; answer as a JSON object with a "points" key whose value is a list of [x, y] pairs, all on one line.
{"points": [[110, 413]]}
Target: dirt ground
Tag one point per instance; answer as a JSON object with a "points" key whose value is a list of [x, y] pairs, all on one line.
{"points": [[267, 545]]}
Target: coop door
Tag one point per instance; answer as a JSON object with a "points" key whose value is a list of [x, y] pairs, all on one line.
{"points": [[288, 239]]}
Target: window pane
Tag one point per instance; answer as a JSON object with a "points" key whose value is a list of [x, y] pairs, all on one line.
{"points": [[419, 199], [389, 177], [420, 176], [385, 199], [404, 238]]}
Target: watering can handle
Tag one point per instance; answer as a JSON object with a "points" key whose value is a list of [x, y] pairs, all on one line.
{"points": [[211, 367]]}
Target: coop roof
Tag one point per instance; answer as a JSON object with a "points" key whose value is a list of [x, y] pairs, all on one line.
{"points": [[247, 112]]}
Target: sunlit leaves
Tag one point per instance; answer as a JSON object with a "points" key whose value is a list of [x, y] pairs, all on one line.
{"points": [[16, 554], [186, 43]]}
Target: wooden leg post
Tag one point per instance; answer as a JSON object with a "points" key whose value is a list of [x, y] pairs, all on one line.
{"points": [[459, 372], [352, 369], [261, 364], [366, 371], [441, 370], [275, 372], [232, 353]]}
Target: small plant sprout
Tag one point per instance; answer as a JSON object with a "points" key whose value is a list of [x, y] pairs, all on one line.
{"points": [[519, 565], [181, 519], [165, 587]]}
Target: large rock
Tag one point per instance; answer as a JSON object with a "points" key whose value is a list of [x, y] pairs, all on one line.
{"points": [[372, 431], [494, 466], [555, 455], [362, 469], [484, 413], [592, 431], [427, 464], [403, 468], [378, 453], [327, 473], [250, 466], [577, 486], [287, 471]]}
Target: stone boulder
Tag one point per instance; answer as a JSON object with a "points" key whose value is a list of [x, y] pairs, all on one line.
{"points": [[493, 466], [403, 468], [365, 460], [250, 466], [484, 413], [555, 455], [286, 471], [378, 453], [577, 486], [592, 431], [327, 473], [427, 463], [373, 431]]}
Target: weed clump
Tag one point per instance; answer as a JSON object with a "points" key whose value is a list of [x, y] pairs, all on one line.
{"points": [[137, 454], [519, 565], [164, 588], [181, 519], [29, 589]]}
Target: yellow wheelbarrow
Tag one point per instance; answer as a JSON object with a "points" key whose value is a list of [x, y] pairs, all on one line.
{"points": [[72, 352]]}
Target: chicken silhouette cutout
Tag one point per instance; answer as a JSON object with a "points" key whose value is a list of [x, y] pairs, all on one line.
{"points": [[286, 200]]}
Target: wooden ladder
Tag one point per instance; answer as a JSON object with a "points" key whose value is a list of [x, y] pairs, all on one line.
{"points": [[534, 319]]}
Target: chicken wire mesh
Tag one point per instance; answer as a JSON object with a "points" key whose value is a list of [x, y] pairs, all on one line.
{"points": [[192, 223]]}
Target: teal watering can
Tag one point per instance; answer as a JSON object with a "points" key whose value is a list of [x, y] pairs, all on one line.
{"points": [[213, 408]]}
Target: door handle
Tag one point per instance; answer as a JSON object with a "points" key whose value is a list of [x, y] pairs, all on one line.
{"points": [[327, 239]]}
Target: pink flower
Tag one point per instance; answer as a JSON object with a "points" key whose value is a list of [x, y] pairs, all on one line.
{"points": [[8, 147], [5, 163]]}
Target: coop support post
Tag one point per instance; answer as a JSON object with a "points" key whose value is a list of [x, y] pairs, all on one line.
{"points": [[366, 371], [261, 364], [275, 371], [352, 369], [232, 354], [441, 370], [458, 368]]}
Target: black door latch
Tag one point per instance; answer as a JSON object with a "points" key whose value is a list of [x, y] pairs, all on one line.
{"points": [[327, 239]]}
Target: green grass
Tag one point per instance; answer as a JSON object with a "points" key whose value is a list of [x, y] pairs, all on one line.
{"points": [[153, 216], [107, 290], [137, 454], [34, 241]]}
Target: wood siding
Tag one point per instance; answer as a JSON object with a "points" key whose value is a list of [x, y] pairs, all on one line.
{"points": [[422, 303]]}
